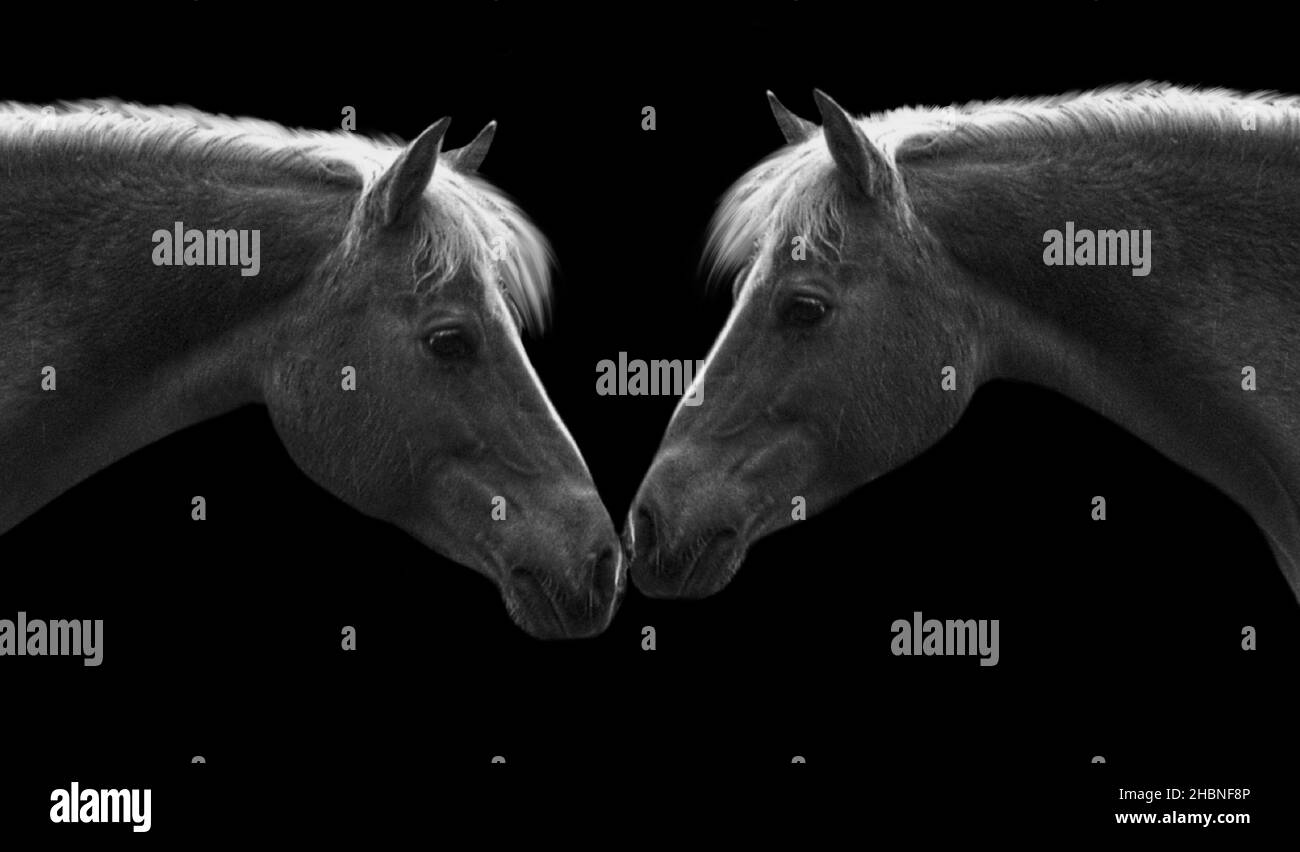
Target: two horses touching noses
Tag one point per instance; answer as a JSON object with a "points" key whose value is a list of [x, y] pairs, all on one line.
{"points": [[871, 260]]}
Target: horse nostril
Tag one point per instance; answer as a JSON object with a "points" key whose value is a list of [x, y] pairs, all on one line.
{"points": [[604, 573], [643, 532], [627, 539]]}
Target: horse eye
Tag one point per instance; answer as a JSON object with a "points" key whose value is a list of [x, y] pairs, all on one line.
{"points": [[449, 343], [804, 311]]}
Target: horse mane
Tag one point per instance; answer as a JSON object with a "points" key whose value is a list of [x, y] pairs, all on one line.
{"points": [[469, 221], [794, 191]]}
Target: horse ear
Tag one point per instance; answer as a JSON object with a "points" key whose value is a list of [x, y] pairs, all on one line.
{"points": [[852, 151], [793, 128], [469, 158], [399, 190]]}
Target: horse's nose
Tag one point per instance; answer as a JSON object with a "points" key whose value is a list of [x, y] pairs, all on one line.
{"points": [[557, 608], [649, 570], [608, 576], [639, 532], [590, 610], [669, 561]]}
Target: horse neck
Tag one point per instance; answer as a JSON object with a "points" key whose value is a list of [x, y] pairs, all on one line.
{"points": [[1161, 355], [139, 350]]}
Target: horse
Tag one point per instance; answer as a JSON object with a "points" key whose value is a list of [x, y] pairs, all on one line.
{"points": [[370, 294], [887, 266]]}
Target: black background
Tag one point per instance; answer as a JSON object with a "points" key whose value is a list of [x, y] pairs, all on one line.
{"points": [[1119, 639]]}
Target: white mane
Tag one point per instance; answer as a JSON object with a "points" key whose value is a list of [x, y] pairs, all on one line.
{"points": [[469, 221], [794, 193]]}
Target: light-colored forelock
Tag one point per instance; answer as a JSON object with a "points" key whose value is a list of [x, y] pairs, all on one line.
{"points": [[467, 223], [792, 193]]}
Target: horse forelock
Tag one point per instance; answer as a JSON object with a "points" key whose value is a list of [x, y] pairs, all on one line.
{"points": [[795, 193], [792, 193], [469, 223]]}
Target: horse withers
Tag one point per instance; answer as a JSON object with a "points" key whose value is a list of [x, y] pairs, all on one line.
{"points": [[890, 265], [161, 266]]}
